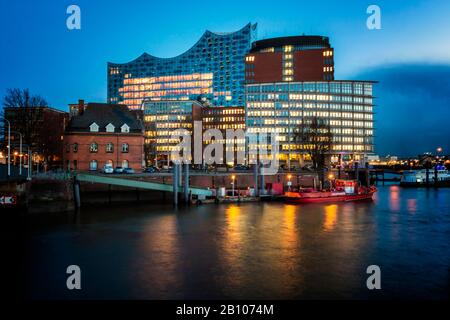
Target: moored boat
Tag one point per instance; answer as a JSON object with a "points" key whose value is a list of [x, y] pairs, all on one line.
{"points": [[345, 190]]}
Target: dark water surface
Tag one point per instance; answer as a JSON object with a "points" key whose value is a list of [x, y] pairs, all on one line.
{"points": [[253, 250]]}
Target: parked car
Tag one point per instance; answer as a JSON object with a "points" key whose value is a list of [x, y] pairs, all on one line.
{"points": [[151, 169], [128, 170], [107, 169], [241, 167], [118, 170]]}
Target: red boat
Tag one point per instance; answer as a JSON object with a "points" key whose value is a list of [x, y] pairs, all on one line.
{"points": [[345, 190]]}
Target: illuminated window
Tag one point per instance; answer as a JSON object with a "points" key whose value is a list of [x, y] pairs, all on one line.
{"points": [[110, 147], [93, 165], [93, 147]]}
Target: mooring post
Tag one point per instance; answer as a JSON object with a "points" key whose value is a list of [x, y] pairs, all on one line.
{"points": [[175, 172], [186, 183], [367, 174], [76, 191], [261, 172], [255, 177]]}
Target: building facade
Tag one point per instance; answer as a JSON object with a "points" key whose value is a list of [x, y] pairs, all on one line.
{"points": [[347, 106], [35, 124], [161, 119], [223, 119], [295, 58], [101, 134], [213, 67]]}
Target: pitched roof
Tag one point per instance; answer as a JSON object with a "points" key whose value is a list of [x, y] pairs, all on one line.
{"points": [[103, 114]]}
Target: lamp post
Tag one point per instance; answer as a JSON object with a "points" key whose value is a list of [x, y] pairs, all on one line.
{"points": [[20, 152], [289, 183], [233, 177], [9, 146]]}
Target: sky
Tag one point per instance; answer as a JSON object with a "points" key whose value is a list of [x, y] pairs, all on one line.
{"points": [[409, 55]]}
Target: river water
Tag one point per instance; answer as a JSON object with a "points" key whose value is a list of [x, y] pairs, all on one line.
{"points": [[247, 251]]}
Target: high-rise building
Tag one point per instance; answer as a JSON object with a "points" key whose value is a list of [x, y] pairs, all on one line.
{"points": [[283, 107], [295, 58], [161, 119], [213, 68], [225, 119]]}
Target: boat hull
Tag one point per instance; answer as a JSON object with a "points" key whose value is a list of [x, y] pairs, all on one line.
{"points": [[329, 199]]}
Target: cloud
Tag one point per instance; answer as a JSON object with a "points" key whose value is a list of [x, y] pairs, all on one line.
{"points": [[412, 107]]}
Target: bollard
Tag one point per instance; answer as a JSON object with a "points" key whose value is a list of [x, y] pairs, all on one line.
{"points": [[76, 191], [175, 172], [255, 177], [186, 183]]}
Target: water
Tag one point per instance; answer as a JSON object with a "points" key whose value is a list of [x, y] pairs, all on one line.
{"points": [[251, 251]]}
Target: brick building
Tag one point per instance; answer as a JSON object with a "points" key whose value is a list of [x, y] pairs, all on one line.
{"points": [[42, 129], [295, 58], [102, 134]]}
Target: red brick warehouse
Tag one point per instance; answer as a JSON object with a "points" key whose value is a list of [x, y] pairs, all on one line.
{"points": [[100, 134], [296, 58]]}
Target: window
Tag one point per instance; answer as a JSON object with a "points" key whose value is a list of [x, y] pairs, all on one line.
{"points": [[75, 164], [110, 128], [93, 147], [93, 165], [124, 163], [125, 128], [125, 147], [109, 147], [75, 147], [93, 127], [67, 148]]}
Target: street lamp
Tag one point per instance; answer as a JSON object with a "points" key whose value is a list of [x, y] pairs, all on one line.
{"points": [[9, 146], [289, 183], [20, 152]]}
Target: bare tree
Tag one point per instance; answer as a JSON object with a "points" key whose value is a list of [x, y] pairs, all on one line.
{"points": [[25, 119], [316, 139]]}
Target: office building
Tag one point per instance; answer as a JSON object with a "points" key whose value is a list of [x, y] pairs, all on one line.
{"points": [[213, 67], [282, 107]]}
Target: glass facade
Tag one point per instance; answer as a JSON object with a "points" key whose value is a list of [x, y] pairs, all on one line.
{"points": [[161, 118], [213, 67], [347, 106]]}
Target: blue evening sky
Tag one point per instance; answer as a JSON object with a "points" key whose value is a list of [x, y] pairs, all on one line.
{"points": [[410, 55]]}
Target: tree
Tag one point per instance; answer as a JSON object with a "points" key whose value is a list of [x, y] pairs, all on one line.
{"points": [[315, 138], [25, 120]]}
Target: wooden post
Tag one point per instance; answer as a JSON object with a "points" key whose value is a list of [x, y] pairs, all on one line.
{"points": [[76, 191], [255, 177], [175, 172], [186, 183]]}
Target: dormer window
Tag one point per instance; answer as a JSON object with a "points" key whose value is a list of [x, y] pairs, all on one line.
{"points": [[93, 127], [125, 128], [110, 128]]}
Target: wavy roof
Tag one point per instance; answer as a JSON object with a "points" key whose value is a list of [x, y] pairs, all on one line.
{"points": [[205, 34]]}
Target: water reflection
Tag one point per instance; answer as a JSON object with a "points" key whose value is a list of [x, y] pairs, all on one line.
{"points": [[156, 266], [251, 251], [330, 217]]}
